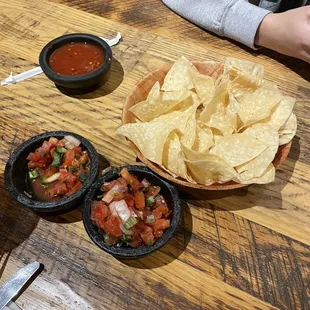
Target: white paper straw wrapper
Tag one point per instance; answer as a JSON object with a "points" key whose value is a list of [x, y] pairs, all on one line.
{"points": [[13, 79]]}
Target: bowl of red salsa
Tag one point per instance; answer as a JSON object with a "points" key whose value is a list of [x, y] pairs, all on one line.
{"points": [[130, 212], [51, 172], [76, 61]]}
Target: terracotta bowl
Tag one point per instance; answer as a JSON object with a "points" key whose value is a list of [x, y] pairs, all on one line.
{"points": [[140, 93]]}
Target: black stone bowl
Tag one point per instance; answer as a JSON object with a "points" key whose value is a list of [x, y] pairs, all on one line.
{"points": [[81, 83], [123, 252], [15, 175]]}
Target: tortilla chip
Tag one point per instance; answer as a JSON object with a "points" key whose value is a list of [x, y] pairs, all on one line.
{"points": [[172, 160], [189, 136], [267, 177], [281, 112], [257, 166], [225, 118], [204, 86], [180, 118], [158, 104], [204, 139], [288, 130], [238, 148], [179, 76], [212, 169], [149, 138], [257, 105], [235, 66], [220, 97]]}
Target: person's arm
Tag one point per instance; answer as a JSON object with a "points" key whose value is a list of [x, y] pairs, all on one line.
{"points": [[236, 19], [287, 33]]}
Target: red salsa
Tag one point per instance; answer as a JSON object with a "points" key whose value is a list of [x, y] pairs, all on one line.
{"points": [[130, 211], [76, 58], [57, 169]]}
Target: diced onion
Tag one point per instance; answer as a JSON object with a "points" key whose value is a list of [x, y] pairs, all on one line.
{"points": [[71, 142], [122, 210], [51, 179], [160, 200], [108, 197], [150, 219], [145, 183], [112, 208], [141, 215]]}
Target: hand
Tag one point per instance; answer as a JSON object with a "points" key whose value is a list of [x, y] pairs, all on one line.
{"points": [[287, 33]]}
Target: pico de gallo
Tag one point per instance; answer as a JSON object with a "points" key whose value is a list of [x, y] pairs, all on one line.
{"points": [[58, 168], [130, 212]]}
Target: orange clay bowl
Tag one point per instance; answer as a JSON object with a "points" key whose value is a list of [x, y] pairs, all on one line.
{"points": [[140, 93]]}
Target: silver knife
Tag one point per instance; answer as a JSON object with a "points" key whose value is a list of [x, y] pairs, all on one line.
{"points": [[12, 286]]}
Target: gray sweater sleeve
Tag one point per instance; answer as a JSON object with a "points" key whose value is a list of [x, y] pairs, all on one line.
{"points": [[236, 19]]}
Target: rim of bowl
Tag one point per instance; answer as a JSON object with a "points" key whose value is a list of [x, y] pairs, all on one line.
{"points": [[128, 252], [50, 47], [49, 206]]}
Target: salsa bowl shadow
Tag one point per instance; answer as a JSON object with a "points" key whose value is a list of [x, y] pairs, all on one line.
{"points": [[15, 175], [169, 192], [78, 84]]}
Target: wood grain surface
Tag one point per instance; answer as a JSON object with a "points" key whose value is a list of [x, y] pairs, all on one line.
{"points": [[244, 249]]}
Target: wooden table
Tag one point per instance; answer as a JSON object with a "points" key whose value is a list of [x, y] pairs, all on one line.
{"points": [[246, 249]]}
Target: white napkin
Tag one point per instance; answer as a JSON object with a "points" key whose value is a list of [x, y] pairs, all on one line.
{"points": [[13, 79]]}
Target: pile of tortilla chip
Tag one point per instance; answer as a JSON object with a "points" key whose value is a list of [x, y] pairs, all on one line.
{"points": [[207, 130]]}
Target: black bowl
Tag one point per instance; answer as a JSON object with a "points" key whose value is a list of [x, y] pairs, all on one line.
{"points": [[15, 175], [123, 252], [81, 83]]}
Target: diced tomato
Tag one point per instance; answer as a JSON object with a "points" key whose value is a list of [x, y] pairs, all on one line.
{"points": [[34, 157], [167, 214], [139, 200], [62, 176], [158, 234], [160, 210], [118, 196], [161, 224], [129, 196], [136, 242], [153, 191], [38, 164], [57, 189], [50, 171], [131, 180], [70, 180], [76, 187], [68, 158], [84, 159], [147, 235], [99, 213], [112, 226], [78, 150], [130, 203], [45, 148], [157, 214]]}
